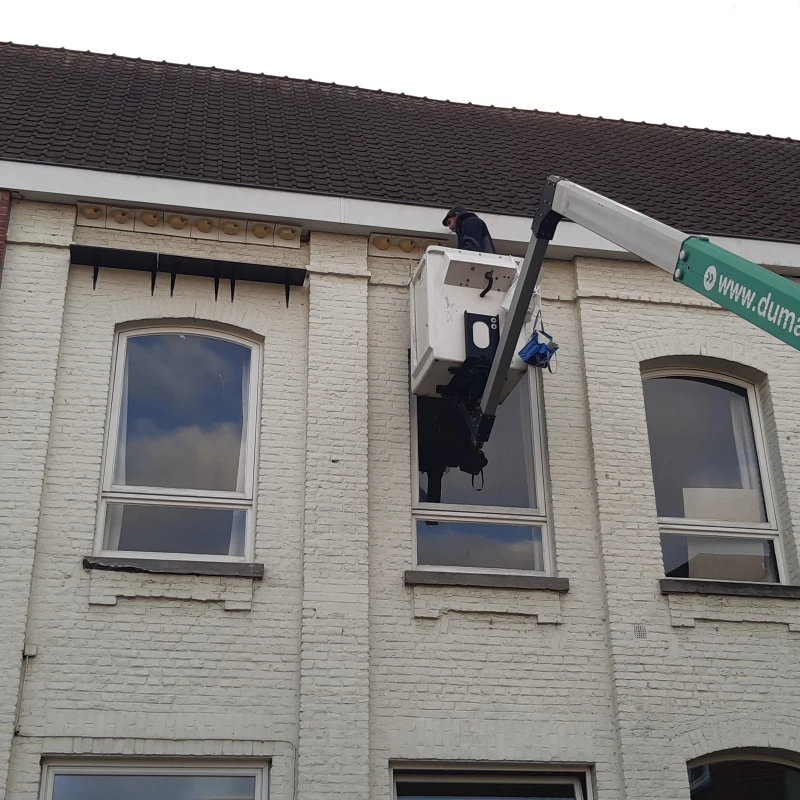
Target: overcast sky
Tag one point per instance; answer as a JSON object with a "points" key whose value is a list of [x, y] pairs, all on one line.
{"points": [[724, 64]]}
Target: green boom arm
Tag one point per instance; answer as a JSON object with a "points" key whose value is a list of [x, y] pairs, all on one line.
{"points": [[767, 300]]}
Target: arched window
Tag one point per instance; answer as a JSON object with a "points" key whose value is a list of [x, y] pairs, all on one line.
{"points": [[744, 778], [714, 505], [179, 465]]}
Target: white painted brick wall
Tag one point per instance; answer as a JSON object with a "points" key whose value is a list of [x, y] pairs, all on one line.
{"points": [[31, 309], [156, 666], [337, 663], [682, 682], [483, 685], [334, 680]]}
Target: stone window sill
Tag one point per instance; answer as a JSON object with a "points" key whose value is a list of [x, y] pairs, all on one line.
{"points": [[423, 577], [164, 566], [729, 588]]}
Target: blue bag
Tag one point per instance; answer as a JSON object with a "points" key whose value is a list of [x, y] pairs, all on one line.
{"points": [[539, 352]]}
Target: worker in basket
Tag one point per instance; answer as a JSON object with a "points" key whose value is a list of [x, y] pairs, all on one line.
{"points": [[471, 230]]}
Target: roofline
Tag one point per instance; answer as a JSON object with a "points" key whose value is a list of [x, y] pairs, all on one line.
{"points": [[327, 213], [344, 86]]}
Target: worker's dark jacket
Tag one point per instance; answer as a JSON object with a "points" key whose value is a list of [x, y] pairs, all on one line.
{"points": [[473, 234]]}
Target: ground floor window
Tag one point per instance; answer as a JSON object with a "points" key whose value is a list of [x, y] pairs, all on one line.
{"points": [[73, 780], [489, 786], [744, 779]]}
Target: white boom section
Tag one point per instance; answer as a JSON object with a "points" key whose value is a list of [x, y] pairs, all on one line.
{"points": [[645, 237]]}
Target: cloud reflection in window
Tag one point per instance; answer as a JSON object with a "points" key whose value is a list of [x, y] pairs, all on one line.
{"points": [[183, 413]]}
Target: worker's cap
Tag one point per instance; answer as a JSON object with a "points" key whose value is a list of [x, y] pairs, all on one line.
{"points": [[453, 212]]}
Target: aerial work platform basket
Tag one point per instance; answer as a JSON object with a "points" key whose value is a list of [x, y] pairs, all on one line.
{"points": [[458, 310]]}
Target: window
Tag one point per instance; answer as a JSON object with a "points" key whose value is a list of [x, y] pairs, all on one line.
{"points": [[744, 778], [178, 475], [488, 786], [712, 492], [480, 511], [71, 780]]}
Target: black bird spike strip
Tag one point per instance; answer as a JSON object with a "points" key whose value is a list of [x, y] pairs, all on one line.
{"points": [[99, 258]]}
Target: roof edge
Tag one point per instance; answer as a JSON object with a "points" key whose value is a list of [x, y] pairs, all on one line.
{"points": [[350, 197], [60, 184]]}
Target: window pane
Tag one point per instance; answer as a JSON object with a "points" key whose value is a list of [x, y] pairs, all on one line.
{"points": [[744, 780], [174, 529], [468, 791], [154, 787], [444, 448], [479, 544], [183, 413], [719, 558], [703, 450]]}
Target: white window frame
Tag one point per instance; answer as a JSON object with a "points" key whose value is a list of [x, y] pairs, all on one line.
{"points": [[116, 766], [193, 498], [483, 774], [451, 512], [742, 755], [705, 762], [768, 530]]}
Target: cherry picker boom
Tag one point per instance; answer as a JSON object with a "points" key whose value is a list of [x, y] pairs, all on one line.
{"points": [[763, 298]]}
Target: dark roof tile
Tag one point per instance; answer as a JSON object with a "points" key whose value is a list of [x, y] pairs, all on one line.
{"points": [[197, 123]]}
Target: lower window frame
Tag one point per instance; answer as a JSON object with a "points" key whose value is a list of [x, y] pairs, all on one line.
{"points": [[422, 514], [579, 777], [51, 767], [248, 557], [728, 533]]}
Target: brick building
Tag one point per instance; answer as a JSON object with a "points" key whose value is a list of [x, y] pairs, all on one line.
{"points": [[220, 572]]}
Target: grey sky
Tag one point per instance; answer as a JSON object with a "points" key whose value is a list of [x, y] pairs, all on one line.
{"points": [[725, 64]]}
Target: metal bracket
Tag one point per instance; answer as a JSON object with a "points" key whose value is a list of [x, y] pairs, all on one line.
{"points": [[546, 219]]}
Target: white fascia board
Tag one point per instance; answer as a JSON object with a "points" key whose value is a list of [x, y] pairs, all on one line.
{"points": [[324, 213], [783, 257]]}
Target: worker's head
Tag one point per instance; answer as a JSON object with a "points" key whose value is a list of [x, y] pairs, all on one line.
{"points": [[452, 215]]}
